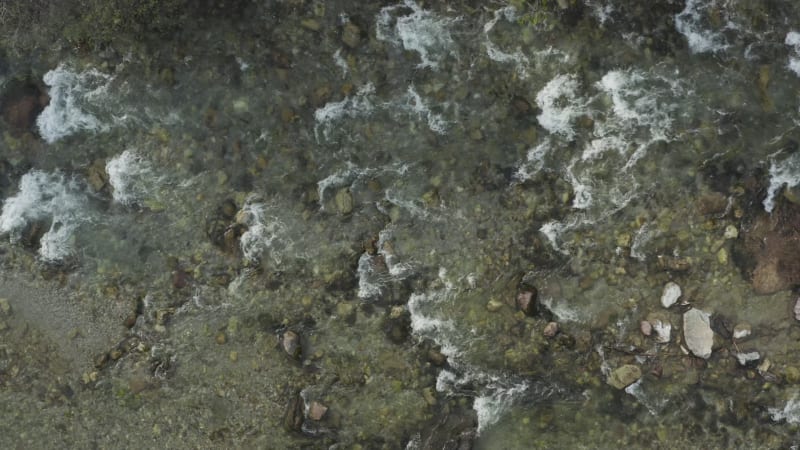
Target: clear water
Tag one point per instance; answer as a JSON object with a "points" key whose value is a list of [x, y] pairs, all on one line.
{"points": [[265, 174]]}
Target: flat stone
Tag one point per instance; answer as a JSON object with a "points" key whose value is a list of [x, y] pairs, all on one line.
{"points": [[316, 410], [624, 376], [671, 294], [697, 332], [646, 328]]}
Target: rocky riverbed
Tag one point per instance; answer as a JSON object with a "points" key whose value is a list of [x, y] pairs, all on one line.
{"points": [[305, 224]]}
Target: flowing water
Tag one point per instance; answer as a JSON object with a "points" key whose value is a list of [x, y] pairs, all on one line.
{"points": [[381, 180]]}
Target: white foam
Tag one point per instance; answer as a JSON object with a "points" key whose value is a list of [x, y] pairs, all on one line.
{"points": [[421, 31], [534, 161], [642, 237], [600, 10], [654, 406], [790, 412], [562, 310], [435, 121], [517, 57], [130, 176], [793, 39], [663, 331], [560, 105], [47, 196], [783, 173], [491, 406], [71, 95], [264, 232], [553, 231], [359, 105], [690, 23], [372, 280], [340, 62]]}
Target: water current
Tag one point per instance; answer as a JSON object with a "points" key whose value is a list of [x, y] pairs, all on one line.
{"points": [[316, 224]]}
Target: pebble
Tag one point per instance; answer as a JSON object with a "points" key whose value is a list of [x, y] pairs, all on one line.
{"points": [[551, 329], [646, 328], [697, 332], [624, 376], [671, 294]]}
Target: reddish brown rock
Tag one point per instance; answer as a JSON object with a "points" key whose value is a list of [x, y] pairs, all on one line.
{"points": [[316, 411], [768, 250], [551, 329]]}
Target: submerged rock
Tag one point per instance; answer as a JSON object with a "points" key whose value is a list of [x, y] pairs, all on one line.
{"points": [[672, 292], [624, 376], [290, 342], [697, 332], [551, 329], [769, 250]]}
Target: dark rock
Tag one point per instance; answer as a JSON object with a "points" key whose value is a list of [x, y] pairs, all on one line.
{"points": [[294, 415], [768, 251], [722, 326], [521, 106], [21, 104], [528, 301], [397, 325], [712, 203]]}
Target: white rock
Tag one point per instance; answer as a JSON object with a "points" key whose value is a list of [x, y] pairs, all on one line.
{"points": [[741, 331], [671, 294], [697, 332], [745, 358]]}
